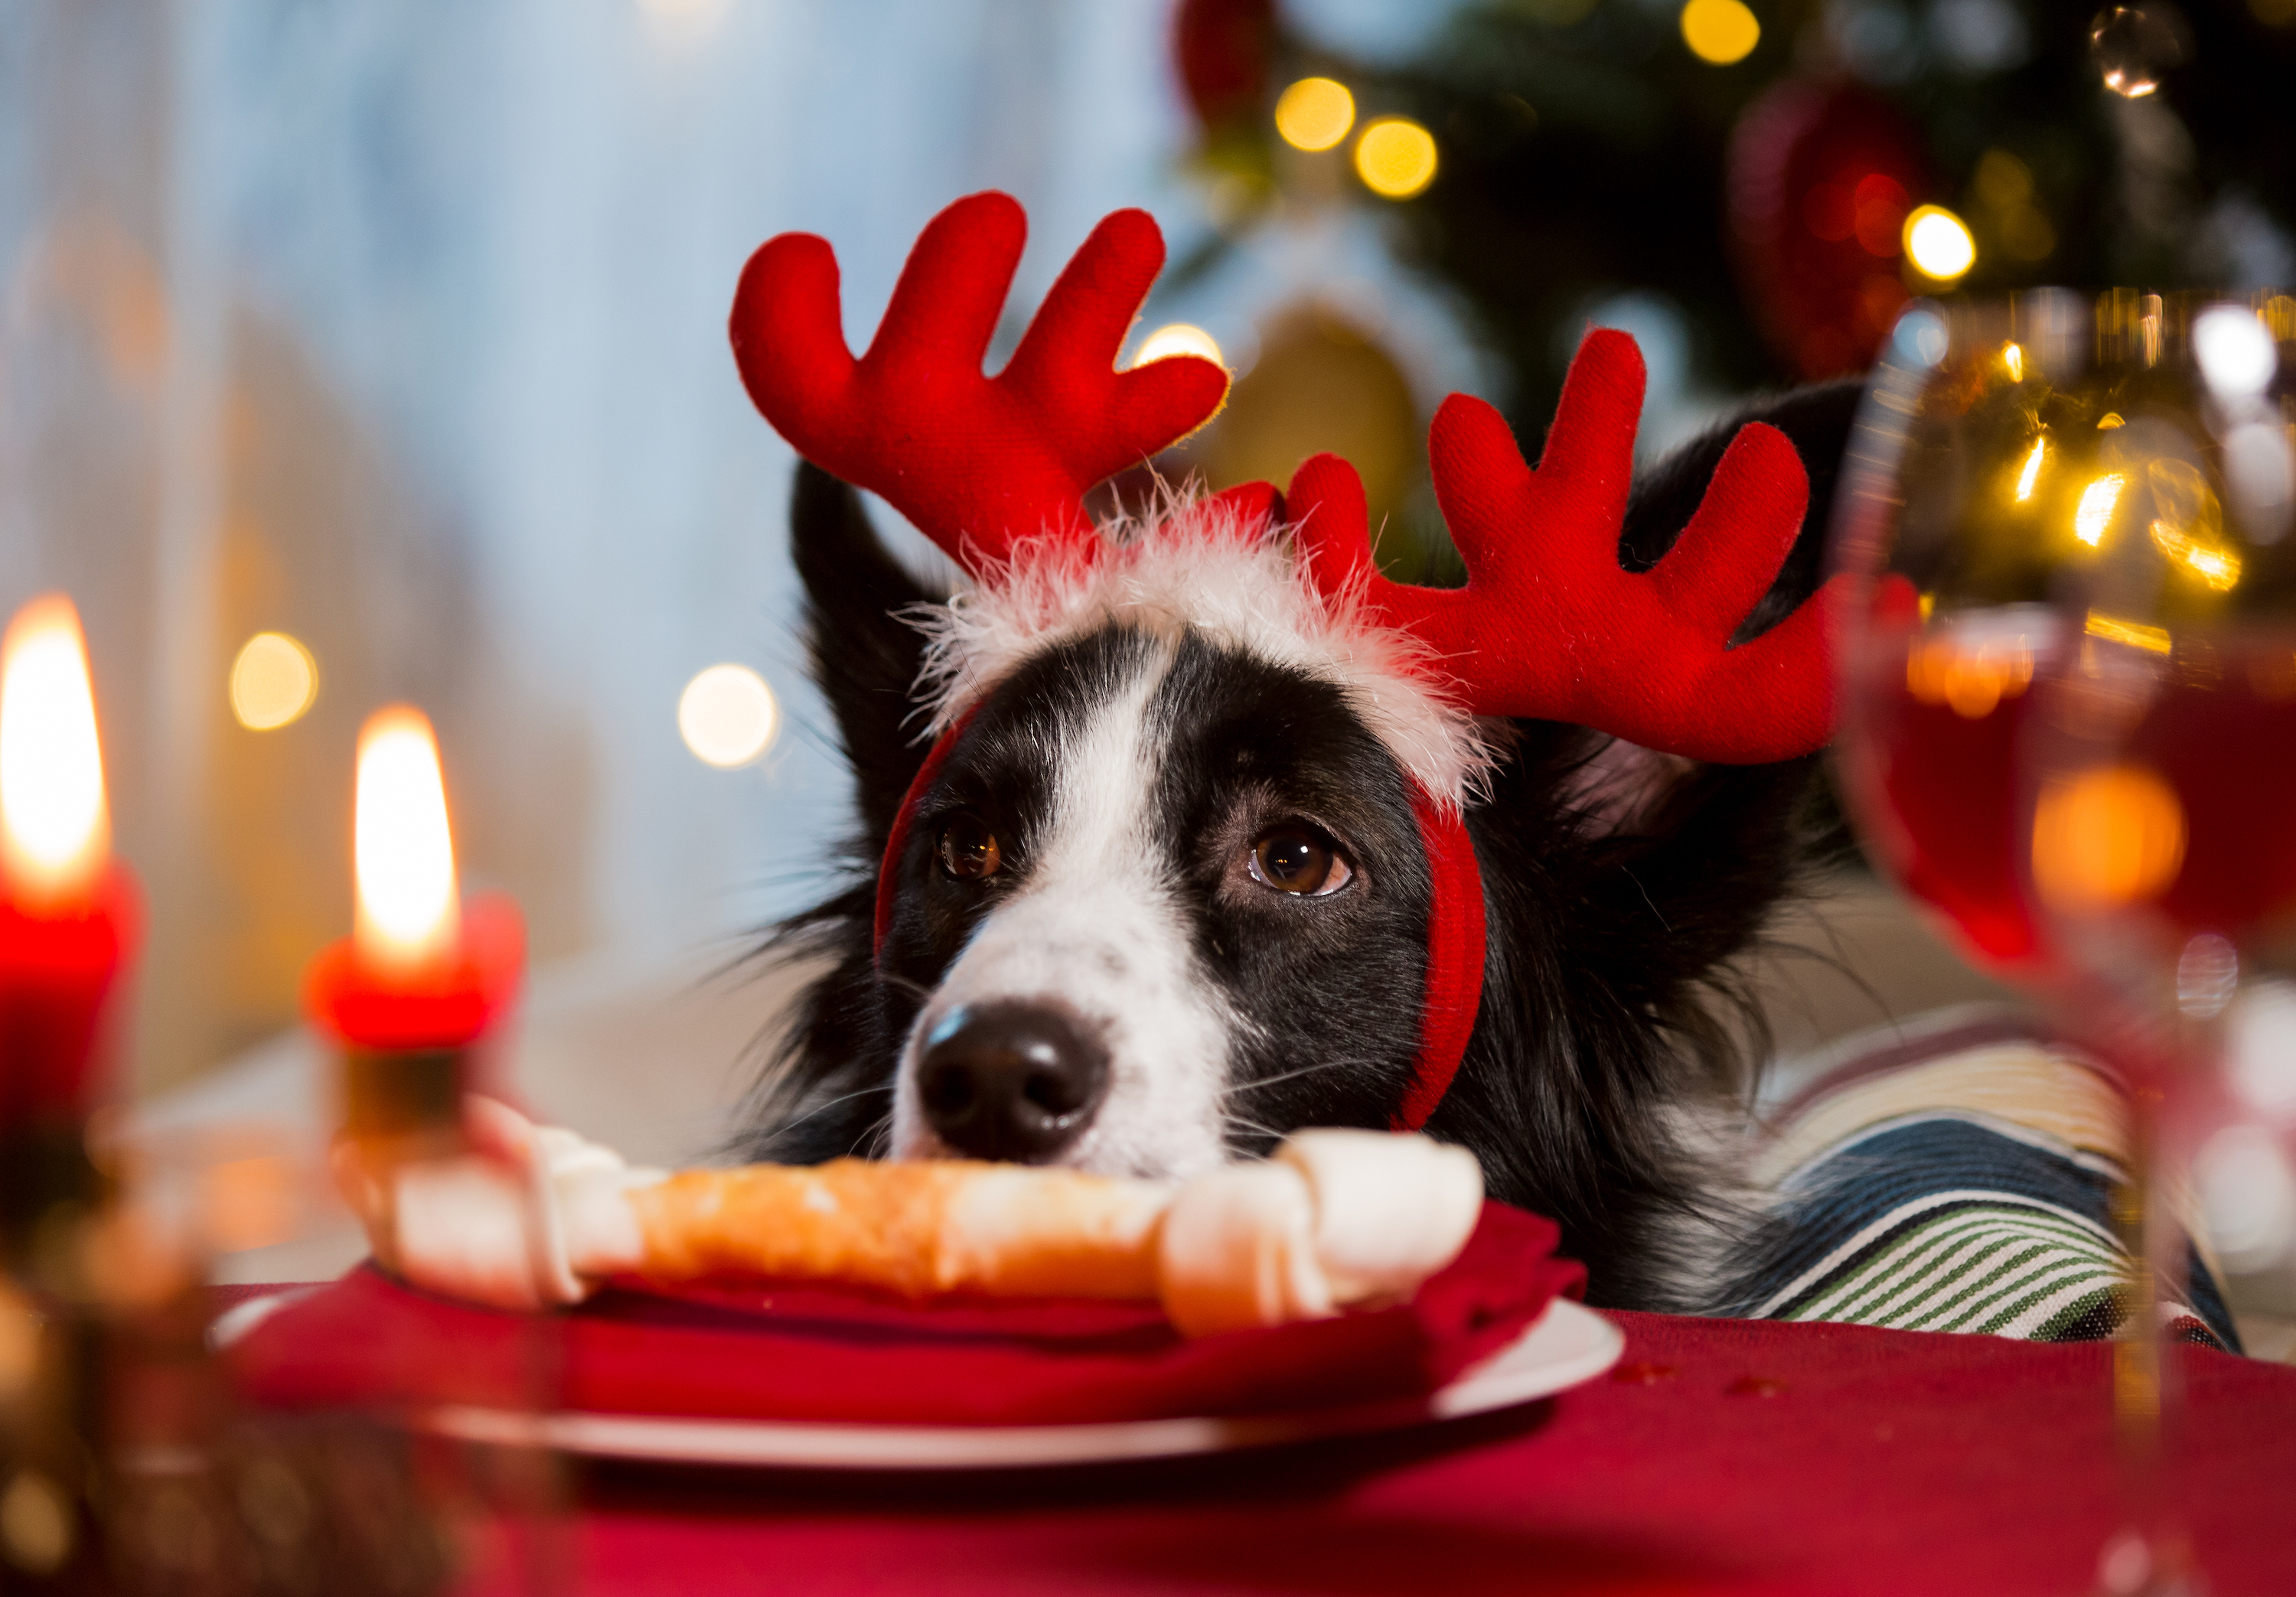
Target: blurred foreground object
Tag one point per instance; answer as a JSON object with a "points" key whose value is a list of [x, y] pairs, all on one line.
{"points": [[67, 925], [2070, 729]]}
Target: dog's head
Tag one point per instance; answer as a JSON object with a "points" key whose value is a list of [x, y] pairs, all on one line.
{"points": [[1185, 830]]}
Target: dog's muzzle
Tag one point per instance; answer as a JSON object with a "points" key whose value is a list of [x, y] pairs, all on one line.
{"points": [[1014, 1080]]}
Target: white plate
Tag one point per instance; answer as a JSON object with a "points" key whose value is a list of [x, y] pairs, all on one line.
{"points": [[1563, 1347]]}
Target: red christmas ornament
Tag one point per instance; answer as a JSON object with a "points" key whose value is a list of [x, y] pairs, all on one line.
{"points": [[1821, 178], [1223, 50]]}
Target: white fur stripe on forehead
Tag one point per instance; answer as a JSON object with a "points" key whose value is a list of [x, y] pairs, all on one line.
{"points": [[1188, 565]]}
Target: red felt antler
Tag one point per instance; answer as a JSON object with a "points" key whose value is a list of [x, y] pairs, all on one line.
{"points": [[1550, 626], [977, 463]]}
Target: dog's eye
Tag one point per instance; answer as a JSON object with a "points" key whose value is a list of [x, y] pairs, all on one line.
{"points": [[1299, 859], [968, 848]]}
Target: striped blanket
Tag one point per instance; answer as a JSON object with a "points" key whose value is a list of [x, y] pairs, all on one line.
{"points": [[1957, 1174]]}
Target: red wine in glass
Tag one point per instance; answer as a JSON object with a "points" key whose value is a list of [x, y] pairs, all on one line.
{"points": [[2069, 710]]}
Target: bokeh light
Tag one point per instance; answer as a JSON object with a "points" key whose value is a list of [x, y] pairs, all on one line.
{"points": [[2137, 634], [1396, 157], [2235, 350], [2031, 474], [2259, 1061], [1720, 32], [273, 682], [727, 716], [2093, 514], [1940, 243], [1179, 337], [2248, 1196], [2110, 836], [1315, 113], [1971, 676]]}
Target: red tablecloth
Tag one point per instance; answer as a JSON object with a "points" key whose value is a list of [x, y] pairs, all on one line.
{"points": [[1733, 1457]]}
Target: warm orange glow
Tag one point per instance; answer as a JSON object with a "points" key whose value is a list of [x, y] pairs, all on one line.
{"points": [[248, 1202], [2189, 520], [2031, 474], [409, 911], [2217, 567], [55, 832], [2114, 629], [2110, 836], [2093, 513], [2013, 359], [1971, 680]]}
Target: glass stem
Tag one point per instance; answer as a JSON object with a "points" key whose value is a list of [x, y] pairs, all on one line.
{"points": [[2151, 1553]]}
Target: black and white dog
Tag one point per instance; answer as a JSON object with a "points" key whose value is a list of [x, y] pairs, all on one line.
{"points": [[1166, 900]]}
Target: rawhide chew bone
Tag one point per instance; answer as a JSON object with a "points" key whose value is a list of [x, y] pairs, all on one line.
{"points": [[937, 1226], [1335, 1218]]}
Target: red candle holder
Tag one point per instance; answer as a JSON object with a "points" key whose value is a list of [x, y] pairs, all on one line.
{"points": [[408, 1037], [59, 965]]}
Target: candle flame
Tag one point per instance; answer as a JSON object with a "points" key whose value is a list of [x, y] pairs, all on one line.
{"points": [[409, 911], [55, 831]]}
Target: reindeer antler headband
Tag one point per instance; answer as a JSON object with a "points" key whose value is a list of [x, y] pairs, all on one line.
{"points": [[1549, 626]]}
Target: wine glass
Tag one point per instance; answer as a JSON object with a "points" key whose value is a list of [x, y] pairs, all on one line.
{"points": [[2070, 711]]}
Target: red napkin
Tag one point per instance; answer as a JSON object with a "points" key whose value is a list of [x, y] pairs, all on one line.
{"points": [[786, 1351]]}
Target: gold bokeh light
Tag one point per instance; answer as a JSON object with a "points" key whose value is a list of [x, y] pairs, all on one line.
{"points": [[1940, 245], [2093, 514], [2188, 523], [1315, 113], [2135, 634], [1396, 157], [1720, 32], [2031, 474], [273, 682], [2217, 567]]}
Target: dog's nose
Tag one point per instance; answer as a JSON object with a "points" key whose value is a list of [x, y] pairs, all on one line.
{"points": [[1015, 1081]]}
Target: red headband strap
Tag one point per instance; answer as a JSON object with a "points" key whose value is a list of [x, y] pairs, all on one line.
{"points": [[897, 840], [1454, 957], [1454, 990]]}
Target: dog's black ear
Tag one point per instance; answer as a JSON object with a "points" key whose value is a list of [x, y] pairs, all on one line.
{"points": [[1818, 419], [865, 655]]}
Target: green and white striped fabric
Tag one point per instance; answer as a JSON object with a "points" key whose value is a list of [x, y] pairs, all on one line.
{"points": [[1960, 1180]]}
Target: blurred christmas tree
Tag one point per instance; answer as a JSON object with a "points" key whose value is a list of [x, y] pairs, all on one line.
{"points": [[1780, 170]]}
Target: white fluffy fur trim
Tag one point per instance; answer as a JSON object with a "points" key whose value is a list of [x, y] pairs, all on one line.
{"points": [[1187, 566]]}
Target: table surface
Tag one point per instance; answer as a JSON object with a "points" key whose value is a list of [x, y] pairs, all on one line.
{"points": [[1721, 1456]]}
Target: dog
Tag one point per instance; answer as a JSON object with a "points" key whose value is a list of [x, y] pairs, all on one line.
{"points": [[1141, 876]]}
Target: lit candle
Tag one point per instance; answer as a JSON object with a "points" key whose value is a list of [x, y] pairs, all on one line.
{"points": [[423, 976], [68, 915]]}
